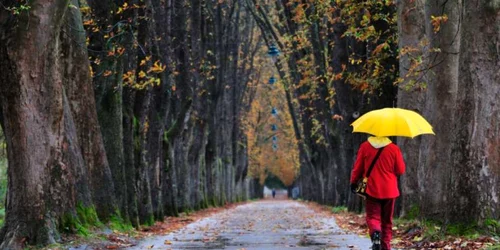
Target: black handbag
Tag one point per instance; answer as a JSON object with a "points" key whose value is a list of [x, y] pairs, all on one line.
{"points": [[361, 188]]}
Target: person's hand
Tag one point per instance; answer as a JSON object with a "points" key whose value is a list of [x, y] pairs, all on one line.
{"points": [[353, 187]]}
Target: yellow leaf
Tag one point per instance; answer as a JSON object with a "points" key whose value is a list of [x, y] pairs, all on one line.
{"points": [[120, 50], [85, 10], [89, 22], [158, 67]]}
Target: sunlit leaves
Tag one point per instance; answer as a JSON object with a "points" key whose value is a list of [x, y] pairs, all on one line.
{"points": [[436, 22], [263, 160], [85, 10], [157, 68], [107, 73], [106, 44], [373, 23], [129, 77], [122, 8], [144, 78], [145, 60]]}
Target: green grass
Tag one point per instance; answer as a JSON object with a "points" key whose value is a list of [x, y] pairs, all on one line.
{"points": [[339, 209], [88, 216], [72, 224], [81, 223], [467, 230], [117, 223], [2, 215], [413, 213], [436, 231], [493, 226]]}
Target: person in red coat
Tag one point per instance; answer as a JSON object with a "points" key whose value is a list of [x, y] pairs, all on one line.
{"points": [[382, 187]]}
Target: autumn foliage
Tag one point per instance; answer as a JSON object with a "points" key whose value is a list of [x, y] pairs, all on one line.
{"points": [[282, 162]]}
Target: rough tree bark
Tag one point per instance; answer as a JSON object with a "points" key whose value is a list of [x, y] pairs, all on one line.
{"points": [[459, 166], [83, 107], [475, 169], [47, 161], [428, 158]]}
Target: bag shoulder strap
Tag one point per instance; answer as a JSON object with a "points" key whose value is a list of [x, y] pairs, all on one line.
{"points": [[373, 162]]}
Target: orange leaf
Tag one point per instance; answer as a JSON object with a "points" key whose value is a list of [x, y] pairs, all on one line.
{"points": [[379, 48]]}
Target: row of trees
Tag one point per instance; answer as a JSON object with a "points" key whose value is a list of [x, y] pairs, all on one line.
{"points": [[272, 146], [440, 58], [133, 108], [332, 72], [127, 109]]}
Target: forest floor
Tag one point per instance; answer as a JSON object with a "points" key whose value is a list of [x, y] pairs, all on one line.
{"points": [[276, 224], [416, 234]]}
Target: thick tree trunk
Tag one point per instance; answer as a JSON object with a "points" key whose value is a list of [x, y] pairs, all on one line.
{"points": [[110, 113], [109, 94], [44, 125], [412, 31], [457, 167], [83, 107], [474, 177], [428, 158]]}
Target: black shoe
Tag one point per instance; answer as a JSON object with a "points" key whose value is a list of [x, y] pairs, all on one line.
{"points": [[376, 241]]}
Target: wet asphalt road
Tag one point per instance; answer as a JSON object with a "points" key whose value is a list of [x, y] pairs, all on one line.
{"points": [[267, 224]]}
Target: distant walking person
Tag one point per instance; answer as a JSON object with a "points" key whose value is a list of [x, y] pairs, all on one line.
{"points": [[274, 193], [382, 188]]}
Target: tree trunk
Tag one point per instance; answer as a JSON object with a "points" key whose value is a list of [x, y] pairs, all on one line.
{"points": [[83, 107], [47, 166], [428, 158], [476, 158]]}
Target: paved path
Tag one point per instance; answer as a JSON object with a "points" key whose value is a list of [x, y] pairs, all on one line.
{"points": [[260, 225]]}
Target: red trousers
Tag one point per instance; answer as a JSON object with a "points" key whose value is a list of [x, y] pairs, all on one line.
{"points": [[379, 218]]}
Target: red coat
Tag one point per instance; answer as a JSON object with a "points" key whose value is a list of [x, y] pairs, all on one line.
{"points": [[382, 183]]}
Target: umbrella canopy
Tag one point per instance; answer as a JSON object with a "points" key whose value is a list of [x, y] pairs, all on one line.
{"points": [[392, 122]]}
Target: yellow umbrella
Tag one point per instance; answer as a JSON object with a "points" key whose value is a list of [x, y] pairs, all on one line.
{"points": [[392, 122]]}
